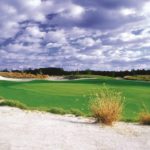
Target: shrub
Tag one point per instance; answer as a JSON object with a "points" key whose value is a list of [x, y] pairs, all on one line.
{"points": [[144, 118], [13, 103], [106, 105]]}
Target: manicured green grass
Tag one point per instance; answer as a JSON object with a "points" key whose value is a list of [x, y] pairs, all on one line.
{"points": [[75, 94]]}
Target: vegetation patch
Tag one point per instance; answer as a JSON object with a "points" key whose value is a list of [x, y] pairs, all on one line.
{"points": [[21, 75], [107, 105], [13, 103], [144, 118], [138, 77], [76, 112], [56, 110]]}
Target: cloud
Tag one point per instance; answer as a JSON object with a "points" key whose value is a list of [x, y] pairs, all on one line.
{"points": [[75, 34]]}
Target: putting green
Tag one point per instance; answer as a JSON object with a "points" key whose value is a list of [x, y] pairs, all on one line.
{"points": [[75, 94]]}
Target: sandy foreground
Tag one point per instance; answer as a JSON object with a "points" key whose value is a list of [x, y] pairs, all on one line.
{"points": [[24, 130]]}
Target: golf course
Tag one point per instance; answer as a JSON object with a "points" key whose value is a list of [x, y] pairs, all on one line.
{"points": [[75, 94]]}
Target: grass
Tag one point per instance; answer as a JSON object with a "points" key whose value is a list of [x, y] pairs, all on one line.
{"points": [[106, 105], [138, 77], [54, 110], [22, 75], [13, 103], [144, 118], [75, 94]]}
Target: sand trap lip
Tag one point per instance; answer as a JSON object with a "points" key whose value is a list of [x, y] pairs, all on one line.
{"points": [[22, 130]]}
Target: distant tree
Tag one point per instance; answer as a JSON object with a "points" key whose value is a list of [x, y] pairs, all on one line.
{"points": [[88, 71]]}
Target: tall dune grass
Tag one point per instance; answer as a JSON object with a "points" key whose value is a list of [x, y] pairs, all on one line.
{"points": [[22, 75], [144, 118], [106, 105]]}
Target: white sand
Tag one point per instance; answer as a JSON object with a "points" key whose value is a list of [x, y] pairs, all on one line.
{"points": [[50, 78], [21, 130], [56, 78], [13, 79]]}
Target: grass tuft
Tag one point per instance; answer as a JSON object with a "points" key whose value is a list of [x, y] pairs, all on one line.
{"points": [[106, 105], [144, 118]]}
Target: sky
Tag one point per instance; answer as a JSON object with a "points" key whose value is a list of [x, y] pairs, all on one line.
{"points": [[75, 34]]}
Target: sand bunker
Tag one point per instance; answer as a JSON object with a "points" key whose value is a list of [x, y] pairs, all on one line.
{"points": [[13, 79], [22, 130]]}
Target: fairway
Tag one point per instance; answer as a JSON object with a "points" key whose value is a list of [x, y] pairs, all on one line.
{"points": [[75, 93]]}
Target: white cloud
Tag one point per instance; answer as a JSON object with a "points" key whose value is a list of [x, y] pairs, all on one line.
{"points": [[74, 42], [56, 36], [146, 9], [35, 32], [87, 42], [74, 11], [127, 11]]}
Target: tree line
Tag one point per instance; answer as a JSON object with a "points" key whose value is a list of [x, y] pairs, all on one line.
{"points": [[61, 71]]}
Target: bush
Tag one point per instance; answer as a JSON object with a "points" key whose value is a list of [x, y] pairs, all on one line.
{"points": [[13, 103], [144, 118], [106, 105]]}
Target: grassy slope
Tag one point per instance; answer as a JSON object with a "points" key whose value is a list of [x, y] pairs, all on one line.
{"points": [[74, 94]]}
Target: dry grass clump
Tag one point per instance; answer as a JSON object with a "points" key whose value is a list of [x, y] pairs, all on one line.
{"points": [[107, 105], [22, 75], [144, 118]]}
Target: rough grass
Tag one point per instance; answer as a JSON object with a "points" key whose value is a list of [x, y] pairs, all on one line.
{"points": [[107, 105], [144, 118], [13, 103], [54, 110], [22, 75], [138, 77], [76, 112]]}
